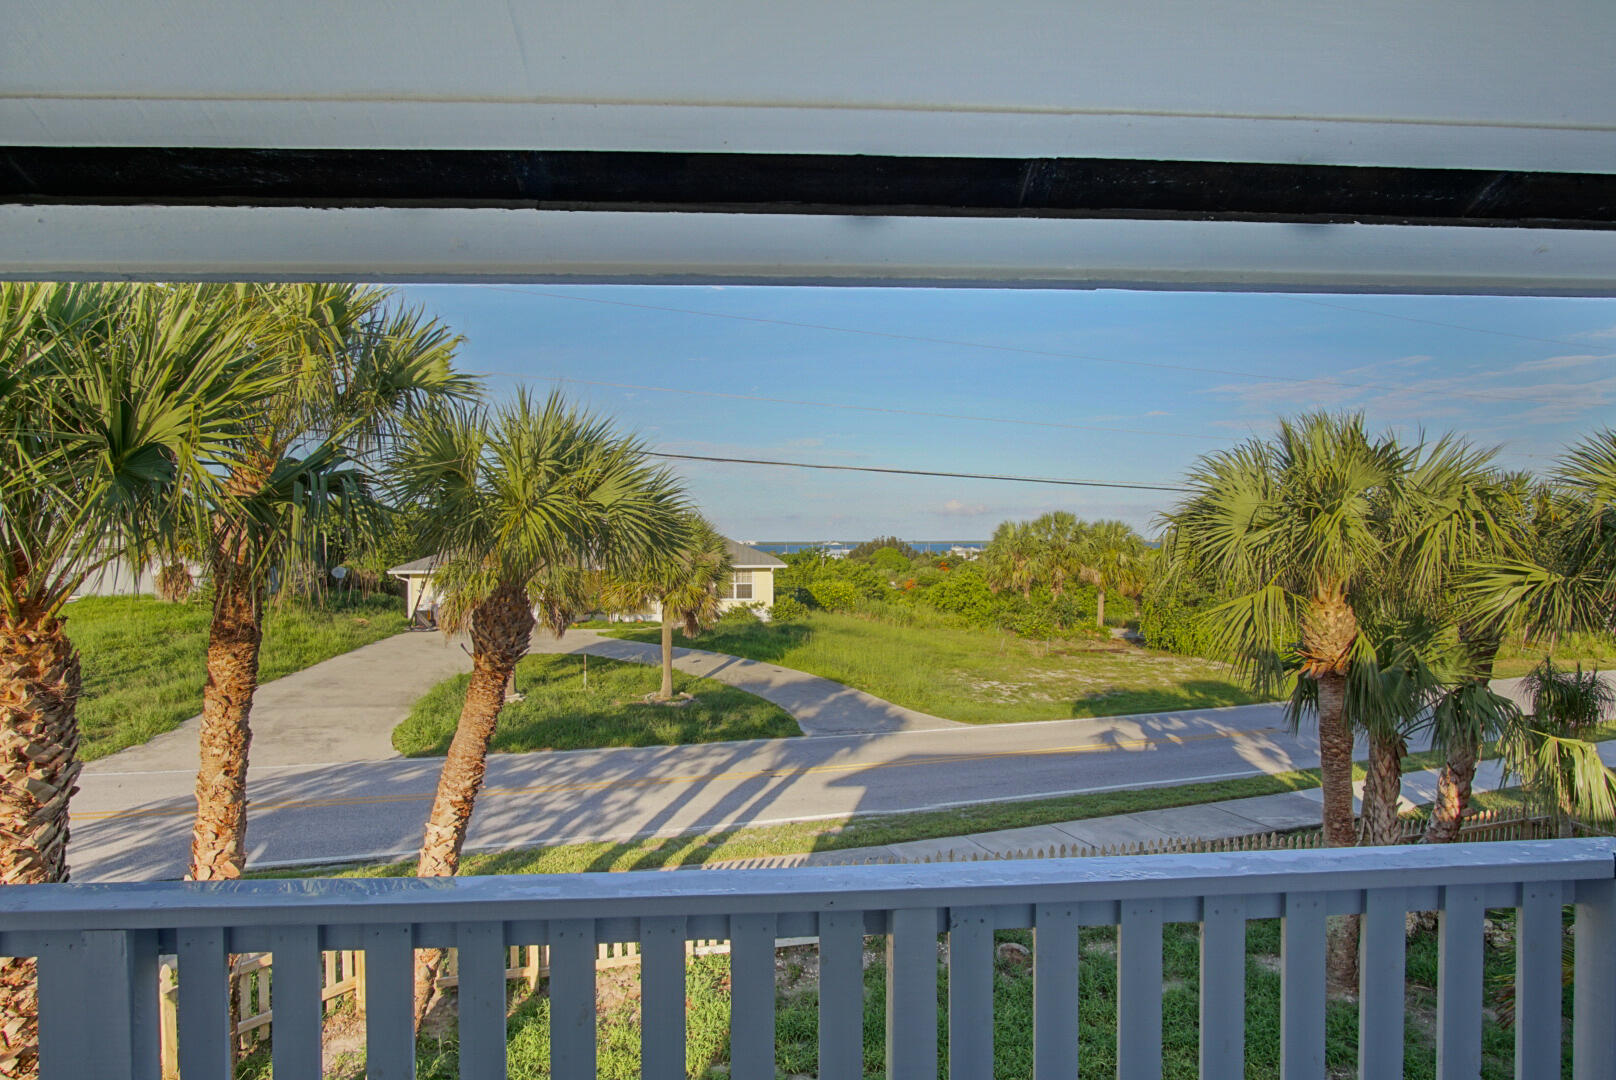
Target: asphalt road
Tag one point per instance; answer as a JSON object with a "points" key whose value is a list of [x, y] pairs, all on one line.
{"points": [[136, 825]]}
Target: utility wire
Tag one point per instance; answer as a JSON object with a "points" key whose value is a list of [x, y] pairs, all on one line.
{"points": [[1503, 397], [918, 472], [854, 408], [1435, 322]]}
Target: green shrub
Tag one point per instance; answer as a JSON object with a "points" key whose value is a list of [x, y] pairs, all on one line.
{"points": [[963, 592], [1166, 622], [833, 594], [741, 614], [788, 609], [890, 560]]}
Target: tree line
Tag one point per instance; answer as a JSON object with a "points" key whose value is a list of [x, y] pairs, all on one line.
{"points": [[255, 426]]}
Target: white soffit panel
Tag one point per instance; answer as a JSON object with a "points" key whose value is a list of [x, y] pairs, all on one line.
{"points": [[1481, 84], [391, 244]]}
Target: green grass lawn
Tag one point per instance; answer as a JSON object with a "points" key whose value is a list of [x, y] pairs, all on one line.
{"points": [[976, 676], [559, 712], [797, 1013], [145, 660]]}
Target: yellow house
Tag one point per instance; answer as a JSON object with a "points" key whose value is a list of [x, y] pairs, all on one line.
{"points": [[753, 580], [751, 583]]}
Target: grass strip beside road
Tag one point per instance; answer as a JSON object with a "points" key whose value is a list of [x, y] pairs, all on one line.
{"points": [[145, 660], [578, 702]]}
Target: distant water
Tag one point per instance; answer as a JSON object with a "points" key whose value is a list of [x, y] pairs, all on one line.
{"points": [[786, 547]]}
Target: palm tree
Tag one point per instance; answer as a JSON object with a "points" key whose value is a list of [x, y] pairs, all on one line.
{"points": [[518, 498], [684, 584], [1059, 539], [1297, 530], [1114, 557], [113, 403], [1010, 559], [1567, 580], [1459, 511], [1560, 769], [1564, 581], [347, 374]]}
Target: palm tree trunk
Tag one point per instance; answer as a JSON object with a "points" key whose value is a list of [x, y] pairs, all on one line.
{"points": [[1459, 770], [501, 627], [39, 690], [1382, 790], [1099, 608], [666, 692], [1335, 761], [219, 836], [1335, 776], [1452, 795]]}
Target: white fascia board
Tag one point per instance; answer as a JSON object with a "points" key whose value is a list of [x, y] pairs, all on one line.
{"points": [[936, 132], [492, 245], [1484, 84]]}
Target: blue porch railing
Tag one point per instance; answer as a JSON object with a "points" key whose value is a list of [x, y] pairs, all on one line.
{"points": [[98, 949]]}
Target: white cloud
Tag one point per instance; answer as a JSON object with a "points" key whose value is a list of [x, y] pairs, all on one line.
{"points": [[955, 508], [1606, 334], [1555, 363], [1158, 412]]}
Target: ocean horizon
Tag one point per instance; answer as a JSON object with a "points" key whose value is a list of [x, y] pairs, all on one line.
{"points": [[787, 547]]}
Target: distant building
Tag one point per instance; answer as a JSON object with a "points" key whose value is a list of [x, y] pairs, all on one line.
{"points": [[751, 583]]}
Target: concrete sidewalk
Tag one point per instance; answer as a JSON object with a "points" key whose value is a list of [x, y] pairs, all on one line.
{"points": [[1204, 821]]}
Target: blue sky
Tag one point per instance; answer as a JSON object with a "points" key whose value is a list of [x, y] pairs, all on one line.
{"points": [[1114, 386]]}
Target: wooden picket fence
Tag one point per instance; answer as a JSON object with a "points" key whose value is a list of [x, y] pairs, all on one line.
{"points": [[252, 975], [1481, 826]]}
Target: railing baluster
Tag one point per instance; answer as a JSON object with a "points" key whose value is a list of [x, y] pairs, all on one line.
{"points": [[481, 949], [572, 999], [1139, 991], [912, 994], [970, 993], [389, 1003], [1537, 980], [841, 995], [751, 977], [1054, 992], [1458, 984], [204, 1003], [1301, 1002], [1223, 988], [1381, 960], [97, 1003], [662, 998], [1593, 1006], [295, 1001]]}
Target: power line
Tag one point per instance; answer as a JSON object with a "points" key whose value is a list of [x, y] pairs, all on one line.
{"points": [[918, 472], [1503, 397], [1436, 322], [855, 408]]}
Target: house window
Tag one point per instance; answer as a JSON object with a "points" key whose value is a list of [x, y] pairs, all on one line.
{"points": [[740, 586]]}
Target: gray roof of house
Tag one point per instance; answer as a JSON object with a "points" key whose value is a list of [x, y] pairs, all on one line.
{"points": [[740, 556], [416, 567], [749, 558]]}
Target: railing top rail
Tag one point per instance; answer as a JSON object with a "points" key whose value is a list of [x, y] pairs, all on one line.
{"points": [[861, 888]]}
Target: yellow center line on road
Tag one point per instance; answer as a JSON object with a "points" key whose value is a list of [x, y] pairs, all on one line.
{"points": [[694, 778]]}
